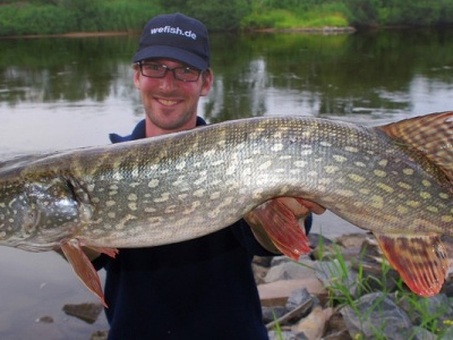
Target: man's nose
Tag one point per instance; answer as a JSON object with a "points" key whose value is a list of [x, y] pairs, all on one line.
{"points": [[168, 81]]}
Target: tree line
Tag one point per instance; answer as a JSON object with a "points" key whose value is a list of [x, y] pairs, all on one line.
{"points": [[63, 16]]}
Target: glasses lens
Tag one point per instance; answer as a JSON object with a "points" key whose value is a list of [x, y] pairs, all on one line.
{"points": [[186, 73], [153, 70]]}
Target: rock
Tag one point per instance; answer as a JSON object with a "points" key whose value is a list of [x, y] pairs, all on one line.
{"points": [[277, 293], [259, 273], [298, 297], [263, 261], [353, 240], [376, 314], [325, 249], [87, 312], [270, 314], [313, 326], [317, 240], [436, 307], [370, 249], [337, 275], [448, 286], [292, 316], [448, 333], [350, 254], [283, 335], [371, 264], [420, 333], [290, 270], [99, 335], [341, 335], [44, 319], [276, 260], [336, 328]]}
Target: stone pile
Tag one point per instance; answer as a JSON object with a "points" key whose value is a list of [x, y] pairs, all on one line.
{"points": [[345, 295], [339, 291]]}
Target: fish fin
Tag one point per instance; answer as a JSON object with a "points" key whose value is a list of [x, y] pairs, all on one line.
{"points": [[112, 252], [83, 268], [432, 135], [301, 207], [279, 219], [421, 260]]}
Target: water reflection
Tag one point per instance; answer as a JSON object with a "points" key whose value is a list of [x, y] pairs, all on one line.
{"points": [[374, 73], [381, 73], [61, 93]]}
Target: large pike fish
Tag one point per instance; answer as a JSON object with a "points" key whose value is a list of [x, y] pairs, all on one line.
{"points": [[395, 180]]}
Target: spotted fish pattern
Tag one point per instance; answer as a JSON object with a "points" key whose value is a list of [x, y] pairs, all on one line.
{"points": [[394, 180]]}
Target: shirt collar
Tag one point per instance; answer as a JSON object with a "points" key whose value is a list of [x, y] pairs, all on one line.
{"points": [[139, 132]]}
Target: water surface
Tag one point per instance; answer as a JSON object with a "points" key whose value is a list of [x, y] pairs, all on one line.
{"points": [[58, 93]]}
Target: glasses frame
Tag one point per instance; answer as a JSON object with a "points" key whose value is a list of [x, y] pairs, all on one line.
{"points": [[166, 68]]}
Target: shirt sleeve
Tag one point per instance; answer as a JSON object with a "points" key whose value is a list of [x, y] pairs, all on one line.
{"points": [[101, 261]]}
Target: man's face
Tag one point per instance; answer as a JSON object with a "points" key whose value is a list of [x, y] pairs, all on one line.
{"points": [[171, 104]]}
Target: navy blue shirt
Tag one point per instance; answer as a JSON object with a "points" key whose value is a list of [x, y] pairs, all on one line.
{"points": [[198, 289]]}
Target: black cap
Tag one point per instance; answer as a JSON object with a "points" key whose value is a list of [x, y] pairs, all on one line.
{"points": [[175, 36]]}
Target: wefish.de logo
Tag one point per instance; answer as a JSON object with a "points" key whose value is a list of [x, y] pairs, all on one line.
{"points": [[173, 30]]}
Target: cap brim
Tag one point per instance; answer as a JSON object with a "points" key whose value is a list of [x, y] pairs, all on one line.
{"points": [[160, 51]]}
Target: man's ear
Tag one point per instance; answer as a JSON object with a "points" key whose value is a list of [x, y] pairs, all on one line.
{"points": [[136, 76], [208, 79]]}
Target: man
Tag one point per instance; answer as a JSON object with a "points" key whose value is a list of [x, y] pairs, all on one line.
{"points": [[198, 289]]}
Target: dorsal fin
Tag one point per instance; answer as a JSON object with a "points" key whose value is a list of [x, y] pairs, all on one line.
{"points": [[431, 134]]}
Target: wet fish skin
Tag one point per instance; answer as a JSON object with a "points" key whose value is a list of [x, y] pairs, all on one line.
{"points": [[181, 186], [176, 174]]}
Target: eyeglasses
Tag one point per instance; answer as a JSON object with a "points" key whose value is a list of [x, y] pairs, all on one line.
{"points": [[183, 73]]}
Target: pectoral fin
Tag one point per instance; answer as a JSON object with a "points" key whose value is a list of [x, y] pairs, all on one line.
{"points": [[279, 219], [421, 260], [83, 267]]}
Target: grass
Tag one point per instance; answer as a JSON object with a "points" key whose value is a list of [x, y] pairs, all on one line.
{"points": [[328, 15], [344, 292], [340, 295]]}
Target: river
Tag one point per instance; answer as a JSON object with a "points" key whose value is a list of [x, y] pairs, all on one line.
{"points": [[59, 93]]}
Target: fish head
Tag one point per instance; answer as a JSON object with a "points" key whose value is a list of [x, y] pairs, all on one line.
{"points": [[37, 214]]}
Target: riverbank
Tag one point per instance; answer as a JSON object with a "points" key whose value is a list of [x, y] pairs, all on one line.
{"points": [[34, 17], [303, 30], [73, 35], [344, 290]]}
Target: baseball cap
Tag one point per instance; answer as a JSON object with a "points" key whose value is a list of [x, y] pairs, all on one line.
{"points": [[175, 36]]}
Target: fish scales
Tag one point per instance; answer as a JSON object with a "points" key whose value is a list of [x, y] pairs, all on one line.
{"points": [[181, 186]]}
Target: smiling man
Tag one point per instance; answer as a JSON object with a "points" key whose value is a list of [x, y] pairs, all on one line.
{"points": [[198, 289]]}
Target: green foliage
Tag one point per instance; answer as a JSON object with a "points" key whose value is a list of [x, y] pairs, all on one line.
{"points": [[329, 15], [405, 12], [61, 16], [126, 16], [363, 12], [27, 19], [217, 15]]}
